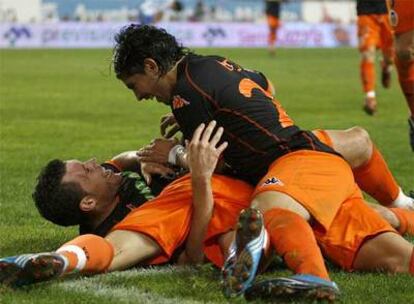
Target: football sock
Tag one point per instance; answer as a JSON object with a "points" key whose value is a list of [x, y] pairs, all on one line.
{"points": [[403, 201], [406, 219], [412, 263], [406, 78], [367, 69], [376, 179], [87, 253], [293, 239]]}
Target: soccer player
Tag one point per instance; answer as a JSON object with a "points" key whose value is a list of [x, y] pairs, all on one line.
{"points": [[402, 19], [374, 31], [119, 227], [272, 11], [299, 180]]}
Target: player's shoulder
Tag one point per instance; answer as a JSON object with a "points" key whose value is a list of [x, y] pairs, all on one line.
{"points": [[199, 64], [210, 69]]}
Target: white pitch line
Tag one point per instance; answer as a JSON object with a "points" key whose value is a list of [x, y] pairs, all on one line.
{"points": [[94, 286]]}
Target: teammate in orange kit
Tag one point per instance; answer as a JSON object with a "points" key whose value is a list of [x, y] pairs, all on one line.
{"points": [[402, 19], [374, 31]]}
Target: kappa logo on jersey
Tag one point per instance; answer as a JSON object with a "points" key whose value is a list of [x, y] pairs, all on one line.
{"points": [[179, 102], [273, 181]]}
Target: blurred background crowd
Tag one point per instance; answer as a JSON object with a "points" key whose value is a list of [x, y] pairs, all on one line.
{"points": [[152, 11]]}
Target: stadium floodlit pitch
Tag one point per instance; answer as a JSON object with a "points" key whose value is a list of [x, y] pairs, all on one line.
{"points": [[67, 104]]}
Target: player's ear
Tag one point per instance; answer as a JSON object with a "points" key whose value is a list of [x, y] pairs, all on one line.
{"points": [[151, 67], [88, 203]]}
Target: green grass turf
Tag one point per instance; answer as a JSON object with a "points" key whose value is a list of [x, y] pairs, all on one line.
{"points": [[67, 104]]}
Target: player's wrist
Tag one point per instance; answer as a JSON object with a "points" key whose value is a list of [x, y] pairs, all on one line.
{"points": [[176, 154]]}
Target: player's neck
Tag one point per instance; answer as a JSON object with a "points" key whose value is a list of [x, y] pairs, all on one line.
{"points": [[100, 216]]}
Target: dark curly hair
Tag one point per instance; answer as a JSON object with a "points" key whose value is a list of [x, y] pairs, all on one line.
{"points": [[56, 201], [136, 42]]}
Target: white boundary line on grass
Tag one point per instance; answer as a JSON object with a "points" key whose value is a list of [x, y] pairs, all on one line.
{"points": [[95, 287]]}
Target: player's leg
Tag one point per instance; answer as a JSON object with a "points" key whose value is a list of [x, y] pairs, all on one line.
{"points": [[273, 24], [387, 252], [400, 219], [368, 39], [370, 170], [85, 254], [358, 239], [405, 68], [277, 196], [119, 250], [388, 51], [153, 230], [292, 238]]}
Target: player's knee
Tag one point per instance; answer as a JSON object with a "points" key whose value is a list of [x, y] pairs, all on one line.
{"points": [[394, 263], [361, 146], [387, 215], [387, 252]]}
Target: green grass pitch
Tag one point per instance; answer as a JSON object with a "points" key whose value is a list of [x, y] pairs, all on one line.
{"points": [[68, 104]]}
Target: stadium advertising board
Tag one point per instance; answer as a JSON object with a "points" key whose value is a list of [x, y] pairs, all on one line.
{"points": [[100, 35]]}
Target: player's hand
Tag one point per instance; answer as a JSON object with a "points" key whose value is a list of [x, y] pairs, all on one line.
{"points": [[157, 151], [203, 152], [168, 122], [148, 169]]}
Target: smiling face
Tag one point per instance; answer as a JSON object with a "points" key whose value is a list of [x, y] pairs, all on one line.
{"points": [[99, 183], [151, 84]]}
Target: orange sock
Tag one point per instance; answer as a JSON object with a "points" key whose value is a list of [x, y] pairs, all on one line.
{"points": [[293, 239], [376, 179], [87, 253], [406, 219], [406, 78], [367, 69]]}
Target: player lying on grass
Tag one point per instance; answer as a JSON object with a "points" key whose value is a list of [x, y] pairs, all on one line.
{"points": [[302, 185], [122, 228], [101, 202]]}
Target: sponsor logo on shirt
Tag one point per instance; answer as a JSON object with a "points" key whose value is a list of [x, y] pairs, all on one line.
{"points": [[273, 181], [179, 102]]}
